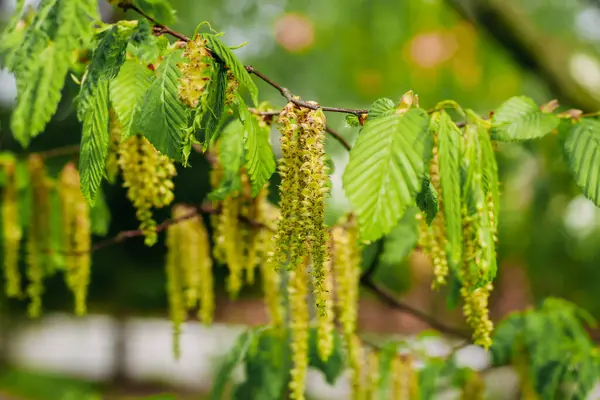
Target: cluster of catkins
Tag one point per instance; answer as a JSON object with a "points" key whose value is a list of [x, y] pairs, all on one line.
{"points": [[147, 174], [479, 213], [40, 253]]}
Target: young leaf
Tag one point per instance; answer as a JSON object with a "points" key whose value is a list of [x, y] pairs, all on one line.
{"points": [[231, 153], [381, 108], [449, 138], [209, 115], [106, 63], [234, 357], [428, 202], [582, 148], [387, 164], [223, 52], [352, 121], [260, 161], [94, 142], [127, 93], [163, 116], [519, 118]]}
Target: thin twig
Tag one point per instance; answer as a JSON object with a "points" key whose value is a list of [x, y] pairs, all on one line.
{"points": [[59, 151], [337, 136], [162, 28]]}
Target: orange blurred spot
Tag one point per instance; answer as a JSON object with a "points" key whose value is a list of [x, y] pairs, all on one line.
{"points": [[428, 50], [294, 32], [368, 82]]}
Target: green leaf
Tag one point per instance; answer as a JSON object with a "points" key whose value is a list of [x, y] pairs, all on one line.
{"points": [[260, 160], [160, 10], [77, 21], [12, 36], [231, 154], [427, 200], [100, 216], [352, 121], [449, 143], [267, 365], [106, 63], [163, 115], [234, 357], [127, 93], [387, 165], [333, 368], [209, 114], [402, 239], [94, 142], [381, 108], [238, 70], [39, 97], [519, 118], [582, 148], [386, 356]]}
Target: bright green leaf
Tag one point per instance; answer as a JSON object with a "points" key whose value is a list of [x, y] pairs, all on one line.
{"points": [[387, 165], [352, 121], [260, 161], [127, 93], [582, 150], [449, 143], [238, 70], [163, 116], [94, 142], [519, 118], [381, 108], [231, 155]]}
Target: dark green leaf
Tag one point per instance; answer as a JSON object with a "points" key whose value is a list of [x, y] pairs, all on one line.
{"points": [[234, 357], [238, 70], [333, 368], [100, 216], [163, 116], [427, 200], [386, 168]]}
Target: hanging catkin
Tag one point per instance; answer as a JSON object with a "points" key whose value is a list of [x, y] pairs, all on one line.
{"points": [[298, 296], [76, 235], [38, 243], [147, 175], [11, 229], [196, 72]]}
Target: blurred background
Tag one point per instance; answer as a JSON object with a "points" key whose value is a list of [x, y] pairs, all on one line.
{"points": [[344, 53]]}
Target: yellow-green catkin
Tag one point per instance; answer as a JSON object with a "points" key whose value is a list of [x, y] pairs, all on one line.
{"points": [[232, 243], [231, 89], [373, 376], [325, 318], [313, 181], [175, 294], [38, 244], [216, 219], [75, 215], [405, 380], [298, 296], [196, 72], [475, 308], [147, 175], [11, 230], [206, 308], [112, 158], [256, 211], [271, 280], [346, 270], [474, 388]]}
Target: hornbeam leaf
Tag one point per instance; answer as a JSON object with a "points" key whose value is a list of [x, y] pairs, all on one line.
{"points": [[238, 70], [386, 168], [260, 161], [449, 140], [519, 118], [381, 108], [163, 116], [127, 93], [582, 150], [94, 142]]}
